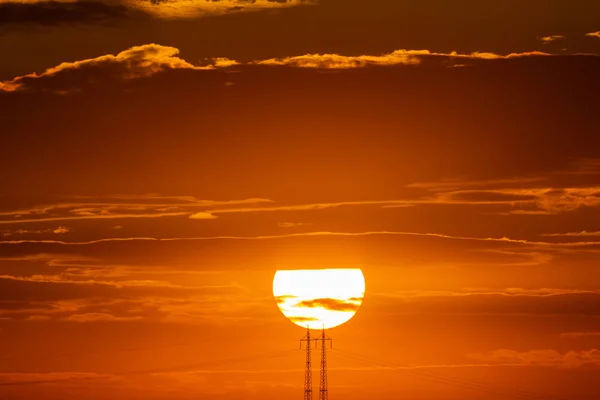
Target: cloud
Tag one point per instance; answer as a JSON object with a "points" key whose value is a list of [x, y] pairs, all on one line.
{"points": [[14, 13], [336, 61], [349, 305], [48, 12], [299, 320], [593, 34], [293, 224], [542, 292], [539, 302], [135, 62], [522, 197], [150, 59], [41, 298], [119, 207], [519, 195], [96, 317], [301, 207], [573, 234], [191, 9], [203, 215], [546, 201], [579, 335], [456, 184], [552, 38], [16, 379], [38, 318], [316, 234], [397, 57], [58, 231], [542, 358], [483, 197]]}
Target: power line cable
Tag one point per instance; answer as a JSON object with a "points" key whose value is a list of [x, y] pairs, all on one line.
{"points": [[453, 381], [257, 357]]}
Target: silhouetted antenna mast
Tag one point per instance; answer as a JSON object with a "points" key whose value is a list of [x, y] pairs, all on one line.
{"points": [[323, 393], [308, 372]]}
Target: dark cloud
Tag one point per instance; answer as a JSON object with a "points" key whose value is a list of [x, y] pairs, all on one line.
{"points": [[302, 319], [330, 304], [13, 14], [43, 299]]}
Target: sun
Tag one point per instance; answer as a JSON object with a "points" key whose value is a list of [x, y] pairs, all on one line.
{"points": [[319, 298]]}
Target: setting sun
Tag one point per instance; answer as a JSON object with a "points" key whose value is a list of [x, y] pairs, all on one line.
{"points": [[319, 298]]}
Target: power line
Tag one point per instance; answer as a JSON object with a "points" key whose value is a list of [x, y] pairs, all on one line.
{"points": [[265, 356], [453, 381]]}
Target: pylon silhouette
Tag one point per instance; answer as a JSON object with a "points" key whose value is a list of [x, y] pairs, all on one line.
{"points": [[308, 372], [323, 392]]}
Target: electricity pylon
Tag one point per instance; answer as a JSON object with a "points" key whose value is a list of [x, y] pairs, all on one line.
{"points": [[323, 393], [308, 372]]}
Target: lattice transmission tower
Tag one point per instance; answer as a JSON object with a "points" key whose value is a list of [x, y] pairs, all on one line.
{"points": [[323, 392], [321, 342], [308, 371]]}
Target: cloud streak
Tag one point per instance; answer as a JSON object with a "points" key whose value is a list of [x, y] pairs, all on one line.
{"points": [[542, 358], [309, 234], [120, 207], [552, 38], [397, 57], [149, 59], [573, 234], [593, 34]]}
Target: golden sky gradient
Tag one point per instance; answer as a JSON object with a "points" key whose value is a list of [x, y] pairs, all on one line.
{"points": [[161, 161]]}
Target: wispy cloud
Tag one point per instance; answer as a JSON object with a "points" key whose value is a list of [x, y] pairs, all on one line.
{"points": [[303, 207], [316, 234], [574, 234], [511, 292], [398, 57], [19, 232], [542, 358], [293, 224], [95, 317], [579, 335], [552, 38], [593, 34], [120, 207], [523, 201]]}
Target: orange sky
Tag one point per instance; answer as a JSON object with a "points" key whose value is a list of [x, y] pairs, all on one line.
{"points": [[160, 162]]}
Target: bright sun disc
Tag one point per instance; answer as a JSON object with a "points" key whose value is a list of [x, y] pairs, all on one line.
{"points": [[319, 298]]}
